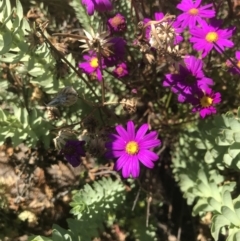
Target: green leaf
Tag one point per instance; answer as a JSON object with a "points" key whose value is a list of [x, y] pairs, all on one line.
{"points": [[204, 189], [227, 159], [215, 191], [236, 204], [236, 236], [201, 206], [228, 135], [234, 149], [7, 42], [236, 136], [3, 117], [238, 113], [221, 141], [22, 115], [215, 204], [218, 221], [19, 9], [234, 124], [38, 238], [57, 236], [208, 158], [230, 215], [201, 145], [227, 200]]}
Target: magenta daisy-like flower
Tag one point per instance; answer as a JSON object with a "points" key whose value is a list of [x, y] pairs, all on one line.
{"points": [[193, 13], [117, 23], [159, 16], [233, 69], [72, 151], [97, 5], [210, 36], [204, 102], [118, 51], [131, 148], [120, 70], [91, 66], [189, 78]]}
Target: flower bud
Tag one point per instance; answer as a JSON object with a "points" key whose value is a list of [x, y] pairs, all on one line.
{"points": [[66, 97]]}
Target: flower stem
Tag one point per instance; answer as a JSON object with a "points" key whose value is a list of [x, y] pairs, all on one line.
{"points": [[228, 57]]}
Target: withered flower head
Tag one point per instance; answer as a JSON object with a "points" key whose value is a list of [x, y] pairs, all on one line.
{"points": [[36, 94], [175, 54], [97, 42], [53, 112], [90, 123], [66, 97], [62, 48], [61, 69], [96, 147], [34, 38], [130, 105], [33, 14], [62, 137], [162, 35]]}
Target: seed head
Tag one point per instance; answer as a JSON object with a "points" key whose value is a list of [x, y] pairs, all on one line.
{"points": [[97, 42], [130, 105]]}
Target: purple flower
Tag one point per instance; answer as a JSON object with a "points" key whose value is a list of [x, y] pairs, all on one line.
{"points": [[209, 36], [189, 78], [204, 101], [193, 13], [97, 5], [130, 148], [118, 51], [159, 16], [91, 66], [231, 67], [117, 23], [72, 151], [120, 70]]}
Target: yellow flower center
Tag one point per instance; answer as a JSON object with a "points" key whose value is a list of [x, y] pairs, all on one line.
{"points": [[132, 148], [193, 11], [206, 101], [211, 37], [119, 70], [94, 62], [238, 64], [115, 21]]}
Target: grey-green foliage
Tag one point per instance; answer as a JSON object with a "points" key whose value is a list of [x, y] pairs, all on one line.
{"points": [[227, 215], [21, 119], [92, 206], [220, 139], [195, 160], [82, 16], [193, 174], [18, 122], [124, 7]]}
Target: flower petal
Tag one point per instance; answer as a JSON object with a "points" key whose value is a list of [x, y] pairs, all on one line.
{"points": [[149, 144], [122, 132], [147, 158], [131, 130], [122, 160], [141, 132]]}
